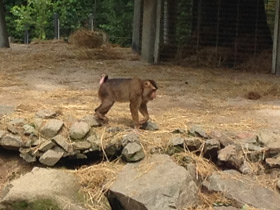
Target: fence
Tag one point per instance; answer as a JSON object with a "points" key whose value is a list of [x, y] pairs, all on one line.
{"points": [[220, 33]]}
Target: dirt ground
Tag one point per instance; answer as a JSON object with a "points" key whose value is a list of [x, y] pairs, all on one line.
{"points": [[57, 76]]}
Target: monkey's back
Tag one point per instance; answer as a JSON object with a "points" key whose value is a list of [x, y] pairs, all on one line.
{"points": [[120, 89]]}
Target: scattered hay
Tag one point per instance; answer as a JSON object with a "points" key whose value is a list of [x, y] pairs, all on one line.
{"points": [[86, 39], [104, 53], [95, 181]]}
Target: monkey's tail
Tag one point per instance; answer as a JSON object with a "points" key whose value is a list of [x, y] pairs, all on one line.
{"points": [[103, 79]]}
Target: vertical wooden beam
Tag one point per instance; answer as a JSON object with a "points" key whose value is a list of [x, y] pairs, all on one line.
{"points": [[158, 32], [149, 30], [136, 34], [276, 41]]}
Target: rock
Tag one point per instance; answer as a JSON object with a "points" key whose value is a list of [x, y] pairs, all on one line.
{"points": [[29, 130], [271, 141], [150, 126], [243, 190], [246, 168], [51, 157], [81, 145], [17, 122], [13, 129], [231, 155], [38, 122], [211, 148], [114, 129], [62, 142], [147, 185], [225, 208], [11, 142], [198, 131], [45, 114], [129, 138], [225, 140], [92, 121], [79, 130], [51, 128], [2, 133], [278, 184], [193, 143], [133, 152], [46, 145], [95, 142], [44, 188], [26, 154], [114, 147], [176, 145], [273, 162]]}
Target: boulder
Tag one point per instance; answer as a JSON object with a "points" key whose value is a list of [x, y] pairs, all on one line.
{"points": [[11, 142], [150, 126], [51, 128], [62, 142], [79, 130], [157, 183], [92, 121], [231, 155], [29, 130], [129, 138], [43, 188], [46, 145], [211, 148], [133, 152], [242, 189], [198, 131], [193, 143], [81, 145], [273, 162], [52, 156], [45, 114], [271, 141]]}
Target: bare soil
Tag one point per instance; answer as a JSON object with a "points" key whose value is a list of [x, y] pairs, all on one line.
{"points": [[55, 75]]}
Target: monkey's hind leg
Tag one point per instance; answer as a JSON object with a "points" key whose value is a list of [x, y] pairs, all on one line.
{"points": [[103, 109]]}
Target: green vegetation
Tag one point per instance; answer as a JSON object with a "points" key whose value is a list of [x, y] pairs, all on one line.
{"points": [[37, 16], [36, 205]]}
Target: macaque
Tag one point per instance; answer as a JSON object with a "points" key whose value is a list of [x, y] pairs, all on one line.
{"points": [[133, 90]]}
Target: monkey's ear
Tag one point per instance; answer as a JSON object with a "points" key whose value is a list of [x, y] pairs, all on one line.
{"points": [[147, 83]]}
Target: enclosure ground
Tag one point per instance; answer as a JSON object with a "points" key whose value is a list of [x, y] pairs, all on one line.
{"points": [[55, 75]]}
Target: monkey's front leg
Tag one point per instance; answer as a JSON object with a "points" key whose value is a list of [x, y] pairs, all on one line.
{"points": [[144, 111]]}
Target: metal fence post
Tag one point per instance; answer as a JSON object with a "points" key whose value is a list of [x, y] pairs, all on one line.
{"points": [[26, 34], [56, 26]]}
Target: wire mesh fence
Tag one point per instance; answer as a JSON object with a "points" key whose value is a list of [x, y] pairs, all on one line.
{"points": [[220, 33]]}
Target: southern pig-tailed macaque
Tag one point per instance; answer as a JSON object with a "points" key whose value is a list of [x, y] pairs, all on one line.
{"points": [[133, 90]]}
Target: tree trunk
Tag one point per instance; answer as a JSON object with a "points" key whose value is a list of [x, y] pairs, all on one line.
{"points": [[4, 42], [240, 24]]}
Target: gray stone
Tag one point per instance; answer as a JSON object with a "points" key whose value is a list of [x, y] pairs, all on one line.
{"points": [[129, 138], [59, 186], [45, 114], [114, 147], [2, 133], [81, 145], [232, 155], [38, 122], [193, 143], [95, 142], [198, 131], [11, 142], [271, 141], [92, 121], [133, 152], [246, 168], [273, 162], [211, 148], [51, 128], [62, 142], [79, 130], [26, 154], [17, 122], [29, 130], [51, 157], [150, 126], [157, 183], [177, 141], [243, 190], [13, 129], [46, 145]]}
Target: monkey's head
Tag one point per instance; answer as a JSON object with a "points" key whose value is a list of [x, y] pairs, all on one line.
{"points": [[150, 88]]}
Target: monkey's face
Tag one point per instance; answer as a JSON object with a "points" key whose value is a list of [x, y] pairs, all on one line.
{"points": [[150, 88]]}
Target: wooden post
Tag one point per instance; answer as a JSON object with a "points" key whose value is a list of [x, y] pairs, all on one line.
{"points": [[149, 30], [56, 26], [137, 17], [26, 34], [276, 41], [90, 21]]}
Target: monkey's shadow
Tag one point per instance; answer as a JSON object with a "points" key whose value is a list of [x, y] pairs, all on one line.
{"points": [[121, 121]]}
